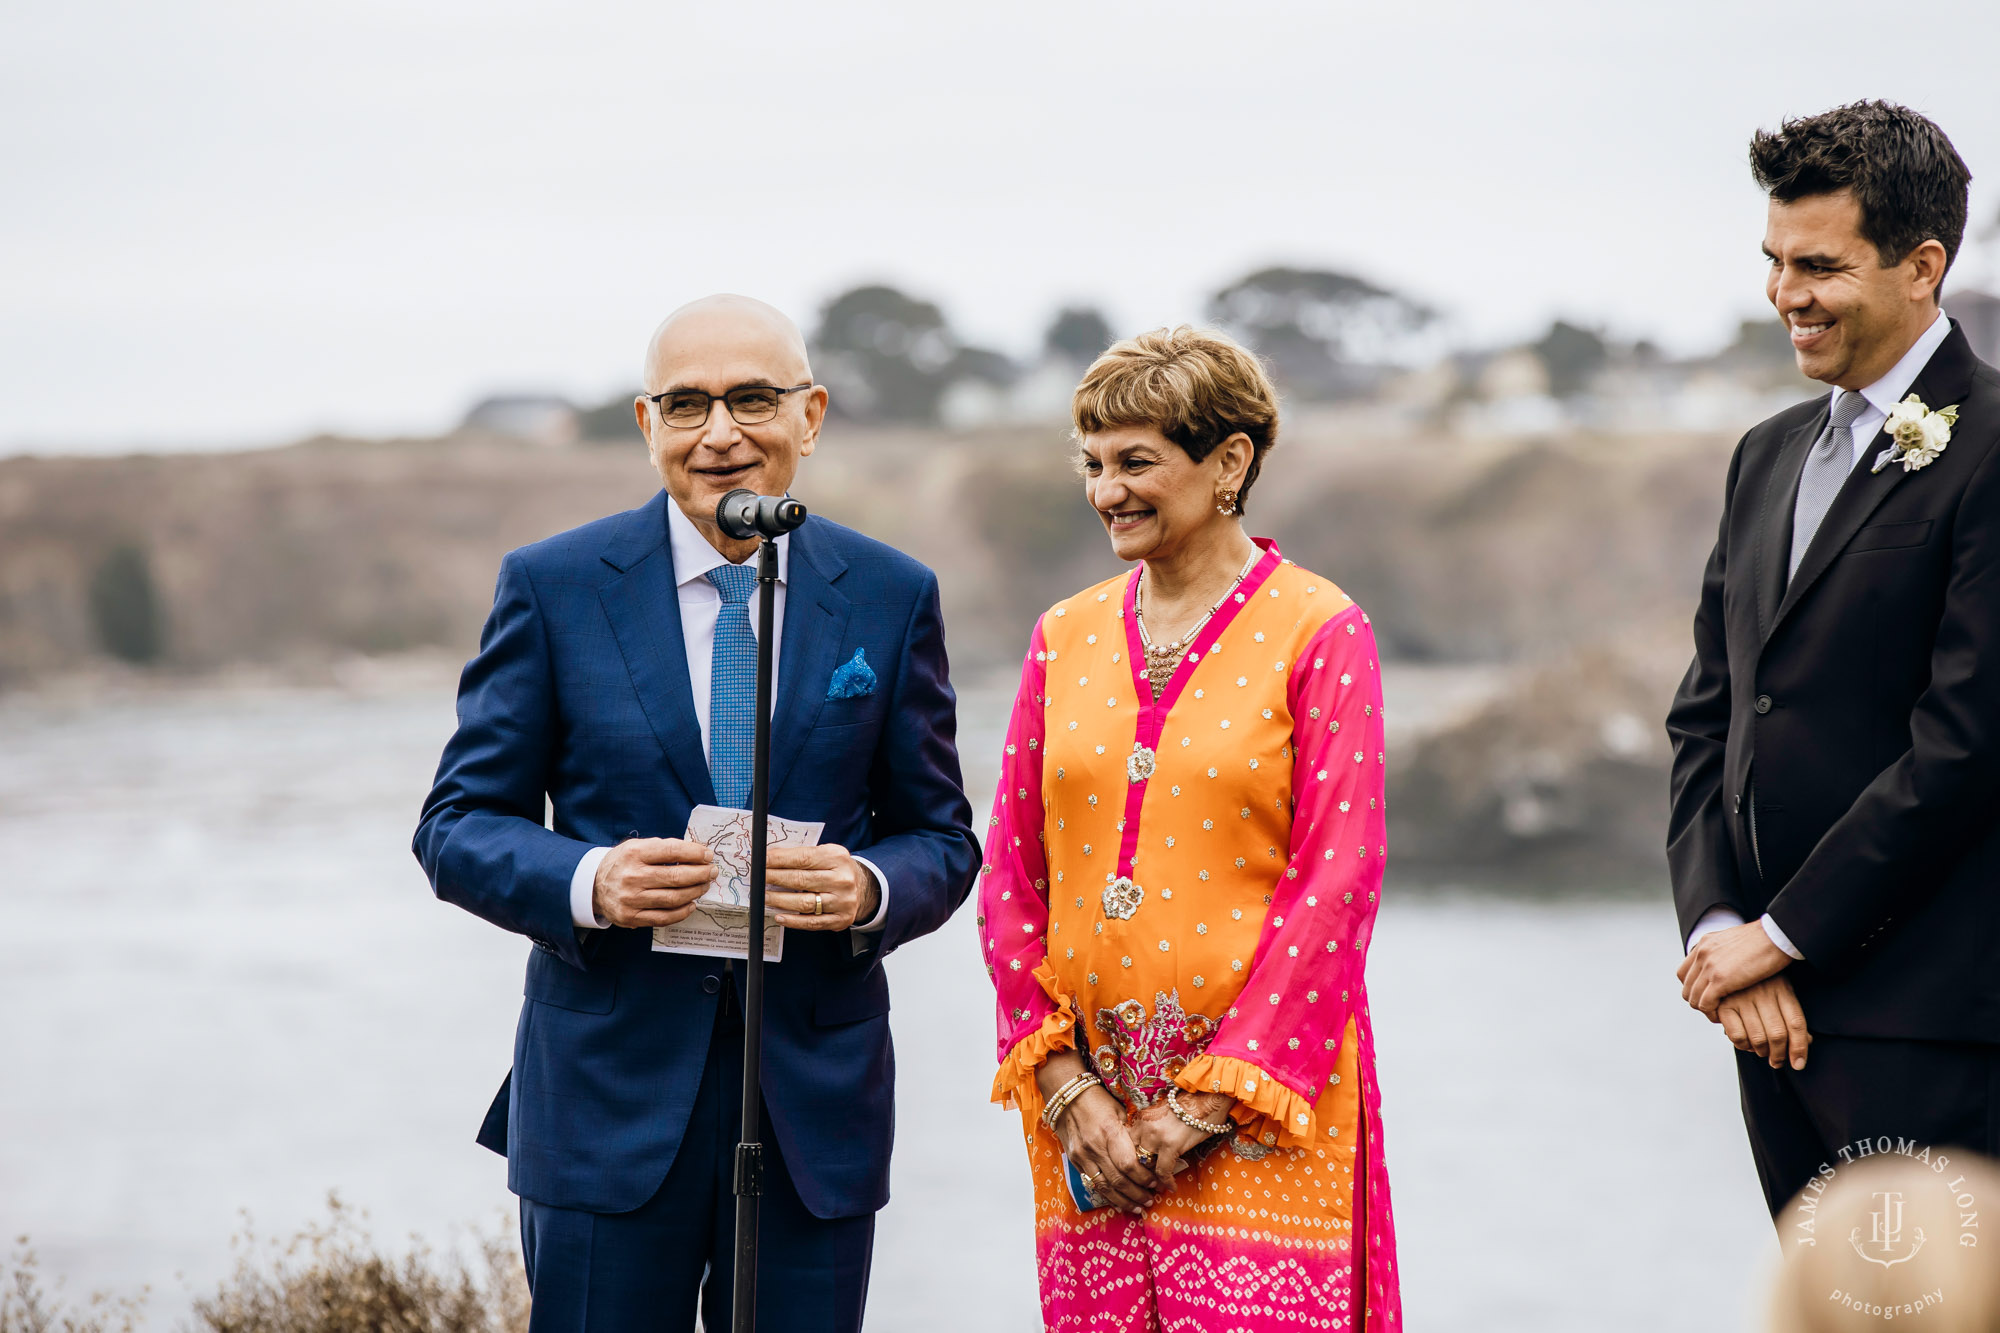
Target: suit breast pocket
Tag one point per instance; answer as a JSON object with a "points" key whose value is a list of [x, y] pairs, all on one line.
{"points": [[842, 735], [1891, 536], [835, 713]]}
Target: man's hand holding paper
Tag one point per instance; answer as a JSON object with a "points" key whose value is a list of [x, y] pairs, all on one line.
{"points": [[818, 888], [646, 882], [807, 886]]}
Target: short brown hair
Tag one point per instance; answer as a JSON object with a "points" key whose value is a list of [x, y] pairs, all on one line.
{"points": [[1909, 180], [1195, 386]]}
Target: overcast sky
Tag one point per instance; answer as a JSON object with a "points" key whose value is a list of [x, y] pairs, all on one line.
{"points": [[237, 222]]}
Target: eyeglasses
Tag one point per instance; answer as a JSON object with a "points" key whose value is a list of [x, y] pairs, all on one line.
{"points": [[748, 404]]}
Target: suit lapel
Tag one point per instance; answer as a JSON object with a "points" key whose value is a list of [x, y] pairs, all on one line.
{"points": [[815, 627], [1945, 379], [1774, 519], [643, 606]]}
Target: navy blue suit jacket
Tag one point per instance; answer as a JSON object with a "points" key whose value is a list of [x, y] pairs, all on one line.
{"points": [[579, 694]]}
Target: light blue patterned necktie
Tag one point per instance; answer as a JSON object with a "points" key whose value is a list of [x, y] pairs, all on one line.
{"points": [[732, 688]]}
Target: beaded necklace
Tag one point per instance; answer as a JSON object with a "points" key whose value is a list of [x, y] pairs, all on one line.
{"points": [[1162, 660]]}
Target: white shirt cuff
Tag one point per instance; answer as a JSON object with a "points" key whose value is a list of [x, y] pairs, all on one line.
{"points": [[1722, 918], [1779, 938], [583, 891], [881, 917], [1714, 919]]}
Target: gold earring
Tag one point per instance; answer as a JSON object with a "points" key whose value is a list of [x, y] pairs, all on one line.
{"points": [[1225, 502]]}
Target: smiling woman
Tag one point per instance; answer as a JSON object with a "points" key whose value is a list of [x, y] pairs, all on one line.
{"points": [[1214, 1154]]}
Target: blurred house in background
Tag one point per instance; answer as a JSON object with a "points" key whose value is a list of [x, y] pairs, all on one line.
{"points": [[537, 418], [1979, 314]]}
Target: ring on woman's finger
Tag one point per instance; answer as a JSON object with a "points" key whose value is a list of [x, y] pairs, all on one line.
{"points": [[1149, 1159]]}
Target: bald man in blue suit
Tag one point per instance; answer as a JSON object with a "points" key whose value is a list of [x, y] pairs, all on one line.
{"points": [[611, 687]]}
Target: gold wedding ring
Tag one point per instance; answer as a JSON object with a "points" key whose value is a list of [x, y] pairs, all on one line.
{"points": [[819, 904]]}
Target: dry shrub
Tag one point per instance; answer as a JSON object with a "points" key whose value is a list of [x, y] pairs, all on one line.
{"points": [[26, 1307], [330, 1278]]}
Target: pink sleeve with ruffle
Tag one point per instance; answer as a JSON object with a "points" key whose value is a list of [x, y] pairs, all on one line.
{"points": [[1275, 1050], [1033, 1017]]}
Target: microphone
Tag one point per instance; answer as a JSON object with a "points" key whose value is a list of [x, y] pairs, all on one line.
{"points": [[744, 514]]}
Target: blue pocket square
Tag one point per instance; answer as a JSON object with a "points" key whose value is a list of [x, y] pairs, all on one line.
{"points": [[854, 679]]}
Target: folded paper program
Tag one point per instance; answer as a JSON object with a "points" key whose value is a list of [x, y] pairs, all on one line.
{"points": [[719, 926]]}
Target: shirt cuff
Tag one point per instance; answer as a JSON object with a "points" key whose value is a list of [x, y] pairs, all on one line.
{"points": [[881, 917], [1714, 919], [1779, 938], [583, 891]]}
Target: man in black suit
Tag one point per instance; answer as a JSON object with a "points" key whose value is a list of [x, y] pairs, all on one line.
{"points": [[1833, 840]]}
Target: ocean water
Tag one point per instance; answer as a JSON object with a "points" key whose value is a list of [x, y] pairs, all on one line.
{"points": [[226, 987]]}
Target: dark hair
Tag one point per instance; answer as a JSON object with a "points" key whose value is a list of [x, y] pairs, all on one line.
{"points": [[1908, 179]]}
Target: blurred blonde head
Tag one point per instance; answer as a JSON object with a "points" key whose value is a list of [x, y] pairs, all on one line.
{"points": [[1887, 1238], [1195, 386]]}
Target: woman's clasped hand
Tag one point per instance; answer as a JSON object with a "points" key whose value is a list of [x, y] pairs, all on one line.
{"points": [[1126, 1160]]}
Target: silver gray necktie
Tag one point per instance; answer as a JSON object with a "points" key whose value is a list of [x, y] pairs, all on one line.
{"points": [[1827, 466]]}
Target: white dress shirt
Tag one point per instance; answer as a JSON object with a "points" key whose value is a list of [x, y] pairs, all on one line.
{"points": [[1886, 392], [1881, 396], [701, 607]]}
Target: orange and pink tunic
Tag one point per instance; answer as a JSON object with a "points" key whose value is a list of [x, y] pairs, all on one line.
{"points": [[1184, 889]]}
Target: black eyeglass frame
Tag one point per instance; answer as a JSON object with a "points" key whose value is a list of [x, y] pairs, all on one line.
{"points": [[708, 409]]}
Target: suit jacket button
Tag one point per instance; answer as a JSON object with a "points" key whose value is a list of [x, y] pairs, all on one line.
{"points": [[1763, 703], [1739, 802], [711, 984]]}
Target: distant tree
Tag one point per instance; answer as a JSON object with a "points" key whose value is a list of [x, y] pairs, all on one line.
{"points": [[884, 355], [1324, 333], [125, 607], [1571, 356], [1763, 343], [1077, 335], [1761, 354], [983, 364]]}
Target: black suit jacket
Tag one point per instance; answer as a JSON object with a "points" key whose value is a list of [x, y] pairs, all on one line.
{"points": [[1855, 714]]}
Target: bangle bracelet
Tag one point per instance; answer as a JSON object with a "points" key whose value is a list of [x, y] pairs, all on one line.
{"points": [[1205, 1126], [1052, 1113], [1066, 1094]]}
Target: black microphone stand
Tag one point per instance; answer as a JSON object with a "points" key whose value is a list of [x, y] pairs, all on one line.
{"points": [[750, 1149], [744, 514]]}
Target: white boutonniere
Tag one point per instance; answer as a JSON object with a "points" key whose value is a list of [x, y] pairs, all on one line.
{"points": [[1920, 434]]}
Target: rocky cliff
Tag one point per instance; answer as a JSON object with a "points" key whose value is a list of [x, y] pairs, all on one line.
{"points": [[1572, 563]]}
